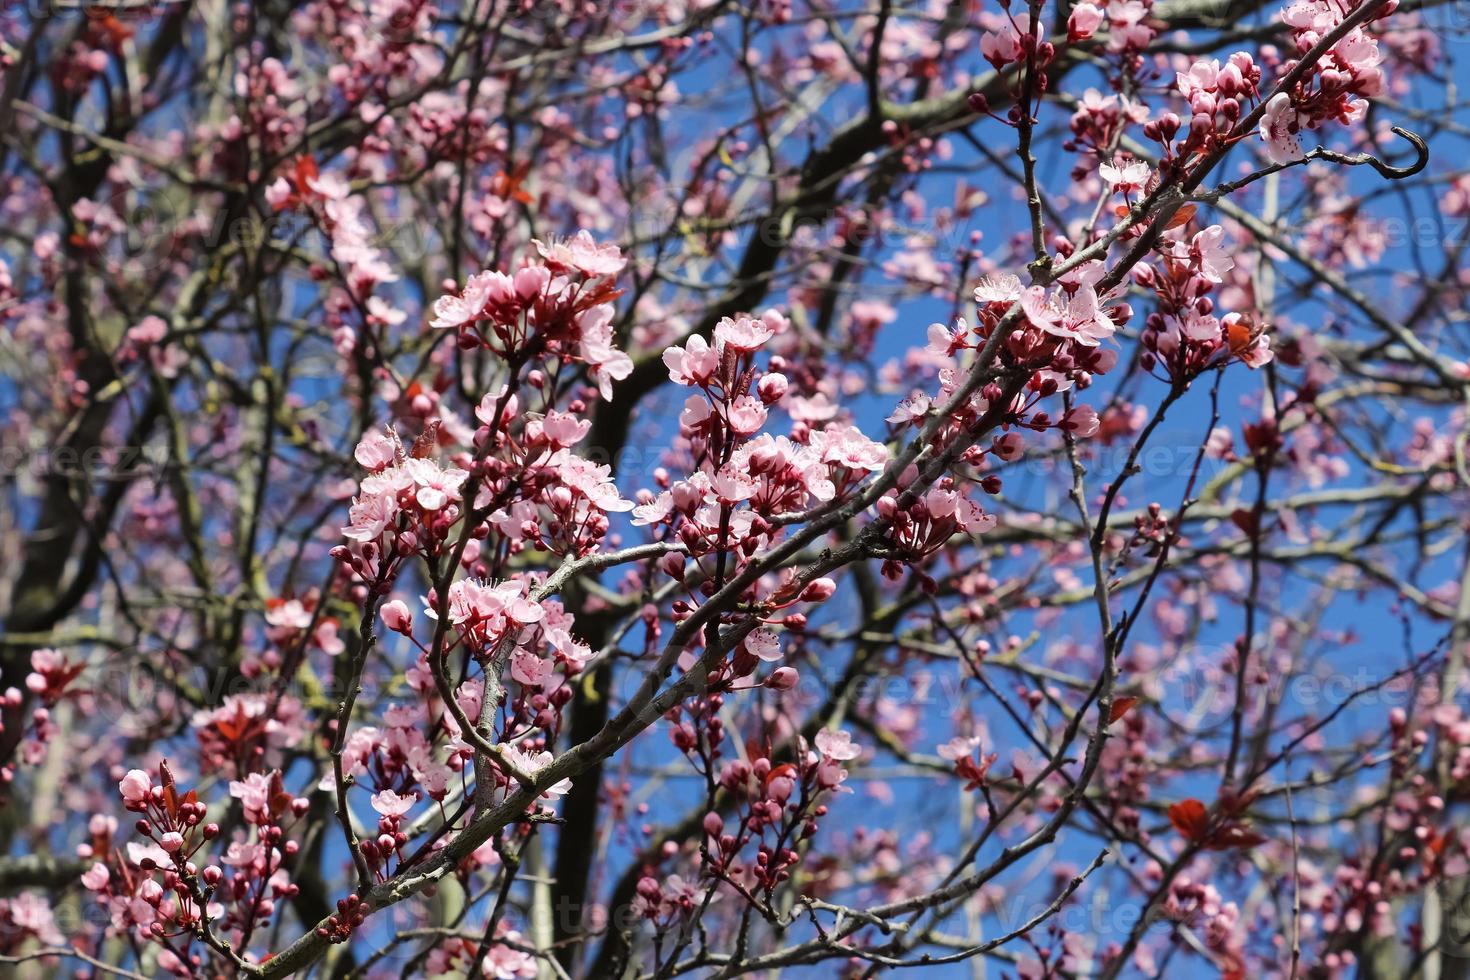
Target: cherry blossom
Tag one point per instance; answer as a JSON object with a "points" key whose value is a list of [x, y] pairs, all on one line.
{"points": [[675, 488]]}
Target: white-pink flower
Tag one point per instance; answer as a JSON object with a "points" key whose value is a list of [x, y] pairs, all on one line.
{"points": [[836, 745], [746, 415], [96, 877], [1214, 259], [1281, 128], [1128, 176], [582, 253], [1000, 47], [765, 644], [254, 794], [911, 409], [742, 333], [1081, 421], [391, 804], [692, 364], [376, 449]]}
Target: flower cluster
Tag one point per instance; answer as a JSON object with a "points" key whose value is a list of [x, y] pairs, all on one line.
{"points": [[777, 810], [746, 481], [1184, 337], [1216, 95], [1334, 89], [558, 307], [173, 823]]}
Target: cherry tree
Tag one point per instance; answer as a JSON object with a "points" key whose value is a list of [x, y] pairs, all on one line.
{"points": [[660, 488]]}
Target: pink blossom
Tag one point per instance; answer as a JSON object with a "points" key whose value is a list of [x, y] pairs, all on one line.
{"points": [[911, 409], [135, 787], [765, 644], [742, 333], [377, 449], [1214, 258], [396, 616], [1000, 47], [583, 254], [1083, 21], [1280, 128], [692, 364], [391, 804], [96, 877], [837, 745]]}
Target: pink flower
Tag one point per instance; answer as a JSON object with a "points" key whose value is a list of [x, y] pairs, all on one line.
{"points": [[437, 486], [1202, 78], [1004, 289], [655, 511], [525, 612], [846, 446], [1009, 446], [819, 590], [1081, 421], [1000, 47], [693, 364], [531, 670], [150, 330], [290, 614], [1125, 177], [1078, 316], [742, 333], [135, 787], [534, 762], [783, 679], [563, 429], [390, 804], [960, 747], [376, 450], [1083, 21], [254, 794], [96, 877], [582, 253], [596, 347], [1214, 259], [504, 962], [765, 644], [481, 291], [746, 415], [397, 617], [1280, 128], [836, 745], [911, 409]]}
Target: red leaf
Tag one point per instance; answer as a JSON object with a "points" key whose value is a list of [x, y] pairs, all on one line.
{"points": [[784, 769], [426, 441], [1121, 706], [1182, 216], [1245, 520], [1190, 818], [1234, 835]]}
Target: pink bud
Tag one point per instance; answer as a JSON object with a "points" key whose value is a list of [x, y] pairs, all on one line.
{"points": [[397, 617], [819, 590], [1083, 22], [134, 788], [782, 679]]}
